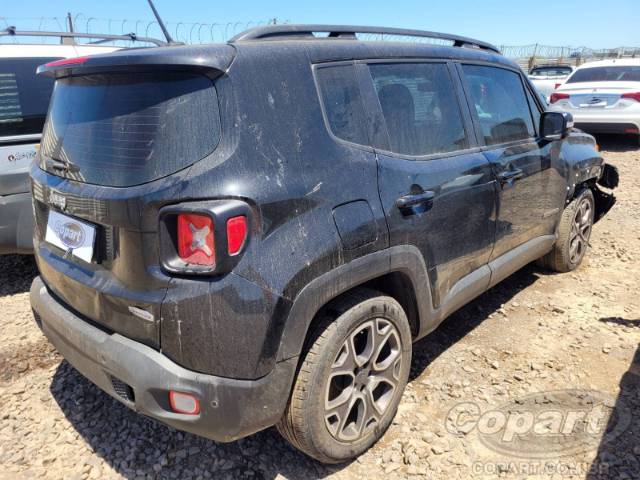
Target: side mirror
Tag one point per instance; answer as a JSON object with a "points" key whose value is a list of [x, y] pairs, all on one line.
{"points": [[555, 125]]}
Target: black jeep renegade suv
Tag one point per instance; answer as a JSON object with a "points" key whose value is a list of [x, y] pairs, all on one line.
{"points": [[235, 236]]}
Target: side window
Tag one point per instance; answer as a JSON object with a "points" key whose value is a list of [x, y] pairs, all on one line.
{"points": [[420, 108], [342, 103], [24, 97], [535, 111], [500, 103]]}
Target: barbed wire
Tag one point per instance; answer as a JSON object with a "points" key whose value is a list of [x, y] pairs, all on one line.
{"points": [[214, 32], [187, 32]]}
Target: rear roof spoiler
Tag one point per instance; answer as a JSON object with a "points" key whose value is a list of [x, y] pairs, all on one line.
{"points": [[210, 60]]}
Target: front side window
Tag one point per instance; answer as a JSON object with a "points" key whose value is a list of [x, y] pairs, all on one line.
{"points": [[420, 108], [500, 102], [24, 96], [343, 103]]}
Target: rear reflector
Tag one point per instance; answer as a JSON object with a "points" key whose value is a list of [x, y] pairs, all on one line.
{"points": [[195, 239], [555, 96], [236, 234], [184, 403], [633, 96], [67, 61]]}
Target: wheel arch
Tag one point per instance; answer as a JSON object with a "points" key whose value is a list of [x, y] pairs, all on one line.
{"points": [[399, 272]]}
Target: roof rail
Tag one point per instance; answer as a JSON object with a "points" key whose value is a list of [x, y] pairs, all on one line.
{"points": [[270, 32], [101, 38]]}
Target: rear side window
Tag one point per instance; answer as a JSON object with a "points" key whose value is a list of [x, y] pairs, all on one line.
{"points": [[343, 103], [128, 129], [24, 97], [500, 103], [420, 108], [613, 73]]}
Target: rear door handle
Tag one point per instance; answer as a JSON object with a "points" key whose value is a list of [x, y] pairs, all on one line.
{"points": [[510, 175], [408, 201]]}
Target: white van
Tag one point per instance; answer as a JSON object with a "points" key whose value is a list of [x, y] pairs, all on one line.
{"points": [[24, 100]]}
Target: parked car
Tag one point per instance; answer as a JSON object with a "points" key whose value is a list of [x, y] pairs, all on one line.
{"points": [[235, 236], [24, 100], [603, 97], [546, 78]]}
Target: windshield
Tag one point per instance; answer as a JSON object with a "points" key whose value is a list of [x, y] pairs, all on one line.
{"points": [[550, 71], [614, 73], [24, 97], [128, 129]]}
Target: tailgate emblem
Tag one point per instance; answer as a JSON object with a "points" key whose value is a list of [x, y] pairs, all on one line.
{"points": [[57, 200]]}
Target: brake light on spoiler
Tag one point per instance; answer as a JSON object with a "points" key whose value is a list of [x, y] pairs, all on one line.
{"points": [[66, 61]]}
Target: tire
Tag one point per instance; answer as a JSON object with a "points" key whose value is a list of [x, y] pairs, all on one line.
{"points": [[573, 232], [335, 417]]}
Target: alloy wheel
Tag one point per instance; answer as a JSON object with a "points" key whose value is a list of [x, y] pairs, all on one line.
{"points": [[580, 231], [363, 380]]}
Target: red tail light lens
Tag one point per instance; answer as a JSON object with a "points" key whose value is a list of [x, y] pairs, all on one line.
{"points": [[557, 85], [66, 61], [195, 239], [633, 96], [555, 96], [236, 234]]}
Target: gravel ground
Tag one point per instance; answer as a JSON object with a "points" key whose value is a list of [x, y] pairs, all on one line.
{"points": [[536, 332]]}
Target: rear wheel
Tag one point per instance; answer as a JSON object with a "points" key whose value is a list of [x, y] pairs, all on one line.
{"points": [[351, 379], [574, 232]]}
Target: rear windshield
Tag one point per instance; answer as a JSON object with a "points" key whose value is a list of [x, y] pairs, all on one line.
{"points": [[127, 129], [550, 71], [616, 73], [24, 97]]}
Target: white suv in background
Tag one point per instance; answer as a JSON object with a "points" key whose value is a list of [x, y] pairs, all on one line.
{"points": [[24, 101], [603, 97]]}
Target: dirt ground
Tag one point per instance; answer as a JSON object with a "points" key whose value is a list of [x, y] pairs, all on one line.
{"points": [[536, 343]]}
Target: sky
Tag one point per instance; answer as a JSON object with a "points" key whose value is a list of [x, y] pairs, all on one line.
{"points": [[594, 24]]}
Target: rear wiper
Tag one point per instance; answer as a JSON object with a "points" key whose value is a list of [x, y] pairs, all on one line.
{"points": [[61, 165]]}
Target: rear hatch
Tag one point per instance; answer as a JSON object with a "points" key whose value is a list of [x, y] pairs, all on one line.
{"points": [[599, 96], [121, 132]]}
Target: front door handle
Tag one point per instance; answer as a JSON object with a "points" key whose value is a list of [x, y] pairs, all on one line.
{"points": [[510, 175], [407, 201]]}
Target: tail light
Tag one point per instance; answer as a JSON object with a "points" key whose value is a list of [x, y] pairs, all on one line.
{"points": [[203, 238], [236, 234], [555, 96], [196, 239], [557, 85], [633, 96]]}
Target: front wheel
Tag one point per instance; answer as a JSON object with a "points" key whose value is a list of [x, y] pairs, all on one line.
{"points": [[351, 379], [574, 232]]}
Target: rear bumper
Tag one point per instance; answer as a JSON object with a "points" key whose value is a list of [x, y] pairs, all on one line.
{"points": [[140, 377], [601, 127], [16, 224], [599, 121]]}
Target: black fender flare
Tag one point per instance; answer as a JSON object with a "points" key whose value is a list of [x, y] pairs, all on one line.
{"points": [[406, 259]]}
